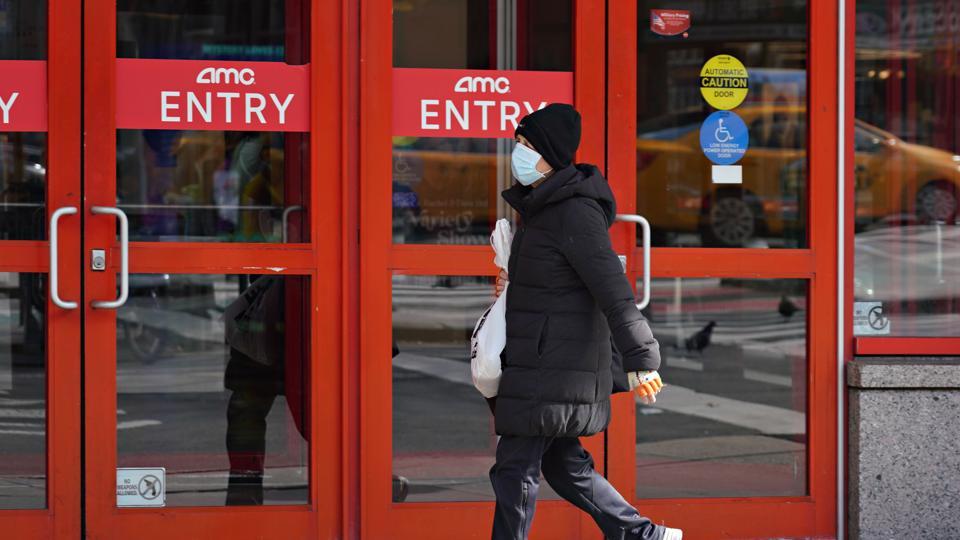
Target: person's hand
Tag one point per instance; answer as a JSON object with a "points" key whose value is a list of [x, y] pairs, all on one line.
{"points": [[501, 282], [647, 384]]}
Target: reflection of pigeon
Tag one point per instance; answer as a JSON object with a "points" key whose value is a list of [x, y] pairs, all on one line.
{"points": [[786, 307], [701, 340]]}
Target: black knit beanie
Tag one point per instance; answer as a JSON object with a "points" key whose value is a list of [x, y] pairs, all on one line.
{"points": [[554, 132]]}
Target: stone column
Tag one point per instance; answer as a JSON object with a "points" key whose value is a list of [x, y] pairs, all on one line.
{"points": [[904, 448]]}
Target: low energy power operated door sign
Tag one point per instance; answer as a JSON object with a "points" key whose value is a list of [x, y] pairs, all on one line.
{"points": [[141, 487], [472, 103], [724, 140], [670, 22], [869, 320], [724, 82]]}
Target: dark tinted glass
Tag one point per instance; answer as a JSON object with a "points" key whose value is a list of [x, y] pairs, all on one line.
{"points": [[23, 383], [23, 156], [212, 386], [23, 30], [23, 186]]}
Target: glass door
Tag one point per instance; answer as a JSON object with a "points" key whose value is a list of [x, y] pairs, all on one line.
{"points": [[209, 285], [39, 286], [727, 146], [445, 82]]}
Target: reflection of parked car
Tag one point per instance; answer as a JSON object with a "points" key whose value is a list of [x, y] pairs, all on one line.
{"points": [[676, 194]]}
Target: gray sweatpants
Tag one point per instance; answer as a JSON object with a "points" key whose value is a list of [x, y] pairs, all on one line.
{"points": [[568, 468]]}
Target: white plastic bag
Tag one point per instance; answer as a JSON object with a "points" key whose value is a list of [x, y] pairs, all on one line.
{"points": [[490, 333]]}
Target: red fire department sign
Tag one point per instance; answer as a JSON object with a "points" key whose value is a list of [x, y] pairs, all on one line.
{"points": [[472, 103], [23, 95], [200, 95]]}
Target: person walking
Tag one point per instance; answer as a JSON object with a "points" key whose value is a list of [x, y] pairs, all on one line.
{"points": [[570, 307]]}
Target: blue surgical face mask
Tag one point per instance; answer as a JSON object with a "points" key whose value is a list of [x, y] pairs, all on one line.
{"points": [[523, 163]]}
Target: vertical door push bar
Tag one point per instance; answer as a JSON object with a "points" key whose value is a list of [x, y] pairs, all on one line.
{"points": [[54, 266], [645, 227]]}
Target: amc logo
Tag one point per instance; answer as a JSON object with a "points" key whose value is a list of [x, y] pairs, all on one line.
{"points": [[500, 85], [212, 75]]}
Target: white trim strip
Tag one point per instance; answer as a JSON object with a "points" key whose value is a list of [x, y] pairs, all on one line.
{"points": [[841, 262]]}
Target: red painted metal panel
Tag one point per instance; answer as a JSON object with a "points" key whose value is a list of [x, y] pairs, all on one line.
{"points": [[906, 346], [816, 514], [320, 259]]}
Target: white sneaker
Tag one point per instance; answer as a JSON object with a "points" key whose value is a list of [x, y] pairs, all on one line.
{"points": [[671, 534]]}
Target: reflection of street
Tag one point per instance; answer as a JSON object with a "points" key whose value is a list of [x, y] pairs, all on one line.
{"points": [[732, 420], [175, 387], [172, 414], [739, 403], [919, 302]]}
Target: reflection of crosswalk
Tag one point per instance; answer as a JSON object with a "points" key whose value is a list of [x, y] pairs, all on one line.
{"points": [[762, 418], [28, 418], [24, 417]]}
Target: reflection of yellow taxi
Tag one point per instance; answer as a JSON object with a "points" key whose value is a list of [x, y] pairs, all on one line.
{"points": [[445, 190], [676, 194]]}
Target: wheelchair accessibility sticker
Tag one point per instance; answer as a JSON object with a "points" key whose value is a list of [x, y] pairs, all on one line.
{"points": [[724, 138]]}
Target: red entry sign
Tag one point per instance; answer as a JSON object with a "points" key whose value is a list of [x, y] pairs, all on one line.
{"points": [[201, 95], [472, 103], [23, 95]]}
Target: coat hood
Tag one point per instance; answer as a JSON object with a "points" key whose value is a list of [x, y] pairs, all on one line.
{"points": [[578, 180]]}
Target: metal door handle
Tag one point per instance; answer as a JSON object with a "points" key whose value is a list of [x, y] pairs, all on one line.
{"points": [[645, 228], [54, 274], [124, 258], [285, 218]]}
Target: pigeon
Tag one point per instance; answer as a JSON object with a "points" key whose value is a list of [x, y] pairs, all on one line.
{"points": [[701, 340], [786, 307]]}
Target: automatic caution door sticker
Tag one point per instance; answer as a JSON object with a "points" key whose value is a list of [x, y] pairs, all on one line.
{"points": [[724, 138], [724, 82]]}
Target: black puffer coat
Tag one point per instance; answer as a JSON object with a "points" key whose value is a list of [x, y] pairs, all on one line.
{"points": [[567, 293]]}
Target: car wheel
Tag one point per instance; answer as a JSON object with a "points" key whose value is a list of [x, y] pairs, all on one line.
{"points": [[147, 344], [731, 221], [937, 202]]}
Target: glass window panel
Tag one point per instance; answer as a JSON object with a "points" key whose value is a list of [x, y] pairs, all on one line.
{"points": [[732, 420], [201, 186], [675, 188], [212, 385], [443, 438], [225, 186], [23, 186], [23, 156], [23, 395], [445, 190], [907, 168], [23, 30]]}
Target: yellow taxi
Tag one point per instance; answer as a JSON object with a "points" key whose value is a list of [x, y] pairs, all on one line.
{"points": [[895, 180]]}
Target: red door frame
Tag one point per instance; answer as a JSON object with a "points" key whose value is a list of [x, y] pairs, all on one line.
{"points": [[61, 517], [815, 514], [319, 259], [380, 259]]}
